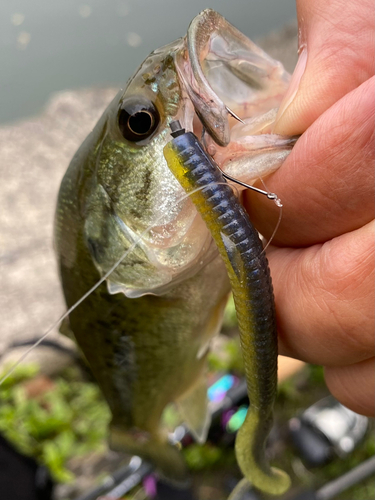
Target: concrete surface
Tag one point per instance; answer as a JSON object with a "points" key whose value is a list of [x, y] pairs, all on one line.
{"points": [[34, 155]]}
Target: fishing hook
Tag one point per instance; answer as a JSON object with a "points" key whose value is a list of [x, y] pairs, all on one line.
{"points": [[176, 130]]}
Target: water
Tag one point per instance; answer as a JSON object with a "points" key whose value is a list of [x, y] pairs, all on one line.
{"points": [[51, 45]]}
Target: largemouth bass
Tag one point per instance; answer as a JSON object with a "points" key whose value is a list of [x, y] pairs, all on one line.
{"points": [[146, 332]]}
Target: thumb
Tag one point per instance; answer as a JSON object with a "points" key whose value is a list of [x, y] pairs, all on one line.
{"points": [[336, 55]]}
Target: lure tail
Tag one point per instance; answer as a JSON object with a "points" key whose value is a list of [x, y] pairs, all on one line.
{"points": [[250, 453], [155, 449]]}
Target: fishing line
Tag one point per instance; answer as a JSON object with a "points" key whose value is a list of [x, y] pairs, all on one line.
{"points": [[276, 228], [98, 283], [278, 203], [266, 192], [270, 196]]}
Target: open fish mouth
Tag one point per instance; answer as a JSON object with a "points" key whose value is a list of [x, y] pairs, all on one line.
{"points": [[217, 70]]}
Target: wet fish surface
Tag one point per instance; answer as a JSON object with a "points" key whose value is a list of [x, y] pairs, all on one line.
{"points": [[146, 331]]}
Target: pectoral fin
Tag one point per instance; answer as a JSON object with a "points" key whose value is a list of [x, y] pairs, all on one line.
{"points": [[193, 408]]}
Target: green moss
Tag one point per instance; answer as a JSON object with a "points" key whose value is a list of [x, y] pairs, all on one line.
{"points": [[67, 421], [207, 456]]}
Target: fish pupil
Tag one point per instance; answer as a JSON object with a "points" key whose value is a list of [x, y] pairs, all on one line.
{"points": [[140, 123], [138, 118]]}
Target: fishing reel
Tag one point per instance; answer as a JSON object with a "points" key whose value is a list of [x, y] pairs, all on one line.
{"points": [[326, 430]]}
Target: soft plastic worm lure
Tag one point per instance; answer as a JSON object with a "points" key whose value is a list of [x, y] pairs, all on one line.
{"points": [[247, 267]]}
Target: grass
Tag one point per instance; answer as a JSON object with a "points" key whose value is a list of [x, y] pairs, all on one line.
{"points": [[68, 420]]}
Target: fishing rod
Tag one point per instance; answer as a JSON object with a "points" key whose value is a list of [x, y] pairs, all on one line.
{"points": [[123, 480], [312, 433], [225, 395], [336, 486]]}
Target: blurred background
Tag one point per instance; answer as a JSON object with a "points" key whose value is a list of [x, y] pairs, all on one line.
{"points": [[47, 45], [61, 62]]}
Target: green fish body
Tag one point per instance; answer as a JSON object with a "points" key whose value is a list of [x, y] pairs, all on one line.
{"points": [[145, 331], [149, 351]]}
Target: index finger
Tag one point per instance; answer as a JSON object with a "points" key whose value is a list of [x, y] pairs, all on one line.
{"points": [[336, 45], [327, 183]]}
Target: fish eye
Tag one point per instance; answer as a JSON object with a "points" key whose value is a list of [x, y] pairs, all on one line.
{"points": [[137, 119]]}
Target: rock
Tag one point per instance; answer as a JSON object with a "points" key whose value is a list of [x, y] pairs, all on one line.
{"points": [[34, 155]]}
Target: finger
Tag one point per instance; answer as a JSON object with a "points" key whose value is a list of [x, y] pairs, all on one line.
{"points": [[324, 299], [354, 385], [336, 55], [327, 183]]}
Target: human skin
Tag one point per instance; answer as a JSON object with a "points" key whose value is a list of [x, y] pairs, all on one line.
{"points": [[322, 257]]}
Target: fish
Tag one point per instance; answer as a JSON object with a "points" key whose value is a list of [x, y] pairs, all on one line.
{"points": [[146, 330]]}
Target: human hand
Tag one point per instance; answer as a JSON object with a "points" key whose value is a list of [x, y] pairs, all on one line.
{"points": [[322, 258]]}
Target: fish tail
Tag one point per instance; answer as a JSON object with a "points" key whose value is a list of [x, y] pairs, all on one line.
{"points": [[155, 449], [250, 452]]}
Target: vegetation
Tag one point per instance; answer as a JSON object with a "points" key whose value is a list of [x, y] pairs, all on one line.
{"points": [[67, 420]]}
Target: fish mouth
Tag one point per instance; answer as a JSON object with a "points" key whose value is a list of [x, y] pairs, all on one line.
{"points": [[223, 73]]}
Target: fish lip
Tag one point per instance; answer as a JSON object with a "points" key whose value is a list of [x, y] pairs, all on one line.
{"points": [[205, 103]]}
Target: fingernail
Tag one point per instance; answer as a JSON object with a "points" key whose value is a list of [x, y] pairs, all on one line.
{"points": [[294, 85]]}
